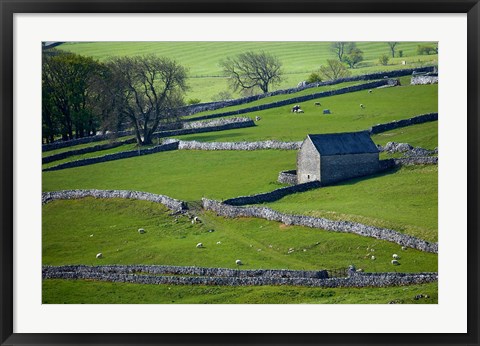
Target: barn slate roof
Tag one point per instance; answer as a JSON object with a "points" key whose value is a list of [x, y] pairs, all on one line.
{"points": [[343, 143]]}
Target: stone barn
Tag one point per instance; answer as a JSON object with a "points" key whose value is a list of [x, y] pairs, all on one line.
{"points": [[333, 157]]}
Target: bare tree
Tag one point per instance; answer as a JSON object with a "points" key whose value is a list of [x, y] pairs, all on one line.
{"points": [[250, 70], [392, 46], [334, 69], [148, 90], [339, 49]]}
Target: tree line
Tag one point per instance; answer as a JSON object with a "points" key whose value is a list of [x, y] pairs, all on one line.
{"points": [[82, 96]]}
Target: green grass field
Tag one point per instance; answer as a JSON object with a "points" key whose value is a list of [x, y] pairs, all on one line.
{"points": [[202, 59], [184, 174], [110, 227], [74, 231], [404, 200], [88, 292], [382, 105]]}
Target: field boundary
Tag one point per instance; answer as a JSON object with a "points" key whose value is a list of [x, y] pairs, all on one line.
{"points": [[171, 203], [211, 106], [231, 211], [353, 280]]}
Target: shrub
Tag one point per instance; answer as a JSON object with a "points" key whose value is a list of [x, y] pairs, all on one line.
{"points": [[194, 101], [400, 53], [384, 59], [424, 49], [314, 78], [222, 96]]}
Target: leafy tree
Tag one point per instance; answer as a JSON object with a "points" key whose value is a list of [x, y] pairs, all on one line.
{"points": [[148, 90], [384, 59], [251, 70], [334, 69], [392, 46], [66, 79], [427, 49], [353, 57]]}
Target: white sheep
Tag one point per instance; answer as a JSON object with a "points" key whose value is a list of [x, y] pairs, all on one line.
{"points": [[199, 245], [373, 258], [395, 256], [219, 242], [141, 230], [370, 91], [395, 262], [99, 255], [404, 248], [238, 262], [362, 106], [257, 118]]}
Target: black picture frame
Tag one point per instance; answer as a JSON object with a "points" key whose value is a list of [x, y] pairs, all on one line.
{"points": [[9, 7]]}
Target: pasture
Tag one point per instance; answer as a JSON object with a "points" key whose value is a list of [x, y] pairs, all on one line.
{"points": [[299, 59], [403, 199]]}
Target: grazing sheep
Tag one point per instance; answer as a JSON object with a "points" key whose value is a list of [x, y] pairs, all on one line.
{"points": [[360, 270], [257, 118], [219, 242], [199, 245], [141, 230], [404, 248], [295, 108], [99, 255], [362, 106], [395, 262], [318, 104], [395, 256], [196, 220], [238, 262], [370, 91], [373, 258], [91, 235]]}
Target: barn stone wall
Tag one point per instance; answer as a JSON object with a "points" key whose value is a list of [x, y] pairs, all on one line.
{"points": [[287, 177], [341, 167], [308, 163]]}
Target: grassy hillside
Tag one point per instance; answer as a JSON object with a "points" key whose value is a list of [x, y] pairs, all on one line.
{"points": [[202, 59], [381, 106], [75, 231], [404, 200]]}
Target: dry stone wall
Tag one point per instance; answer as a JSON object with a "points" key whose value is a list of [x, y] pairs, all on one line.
{"points": [[112, 157], [171, 203], [261, 145], [232, 211], [419, 119], [426, 79], [356, 280], [274, 195], [174, 129], [288, 177], [64, 155]]}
